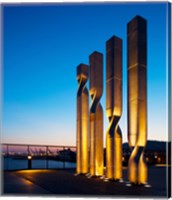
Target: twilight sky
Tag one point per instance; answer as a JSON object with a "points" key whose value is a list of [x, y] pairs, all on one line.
{"points": [[42, 46]]}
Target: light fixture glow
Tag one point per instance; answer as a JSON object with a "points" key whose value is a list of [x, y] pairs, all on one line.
{"points": [[29, 157]]}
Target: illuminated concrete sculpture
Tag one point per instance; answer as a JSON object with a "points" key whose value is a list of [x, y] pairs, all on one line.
{"points": [[114, 107], [82, 120], [137, 98], [96, 115]]}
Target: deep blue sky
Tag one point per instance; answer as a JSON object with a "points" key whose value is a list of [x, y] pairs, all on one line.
{"points": [[42, 46]]}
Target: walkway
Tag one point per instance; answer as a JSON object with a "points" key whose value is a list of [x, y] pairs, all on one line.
{"points": [[64, 182]]}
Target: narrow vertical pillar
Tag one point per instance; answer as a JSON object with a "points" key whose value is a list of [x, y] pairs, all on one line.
{"points": [[82, 120], [29, 158], [137, 98], [47, 157], [114, 108], [7, 157], [96, 114]]}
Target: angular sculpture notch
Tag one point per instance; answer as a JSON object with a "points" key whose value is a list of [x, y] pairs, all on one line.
{"points": [[82, 120], [137, 98], [114, 107], [96, 114]]}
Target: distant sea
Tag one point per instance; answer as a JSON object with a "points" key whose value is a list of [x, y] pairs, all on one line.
{"points": [[14, 164]]}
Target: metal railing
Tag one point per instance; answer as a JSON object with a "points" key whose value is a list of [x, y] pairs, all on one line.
{"points": [[32, 156]]}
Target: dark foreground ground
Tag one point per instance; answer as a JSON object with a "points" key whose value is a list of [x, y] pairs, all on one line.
{"points": [[64, 182]]}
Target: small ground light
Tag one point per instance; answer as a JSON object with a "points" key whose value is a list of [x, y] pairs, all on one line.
{"points": [[87, 174], [102, 177], [106, 180], [147, 186], [121, 180], [128, 184]]}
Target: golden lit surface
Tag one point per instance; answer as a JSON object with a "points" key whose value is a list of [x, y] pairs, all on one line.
{"points": [[35, 171], [132, 126], [82, 120], [109, 156], [114, 108], [142, 170], [132, 167], [118, 158], [137, 99], [96, 114]]}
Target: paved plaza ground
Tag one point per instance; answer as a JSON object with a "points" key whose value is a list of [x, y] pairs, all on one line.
{"points": [[65, 182]]}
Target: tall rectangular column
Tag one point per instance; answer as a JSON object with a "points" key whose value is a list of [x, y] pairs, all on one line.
{"points": [[137, 97], [82, 120], [114, 107], [96, 114]]}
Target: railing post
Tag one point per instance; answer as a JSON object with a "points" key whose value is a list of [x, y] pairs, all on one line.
{"points": [[47, 157], [28, 154], [28, 150], [64, 158], [29, 158], [7, 158]]}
